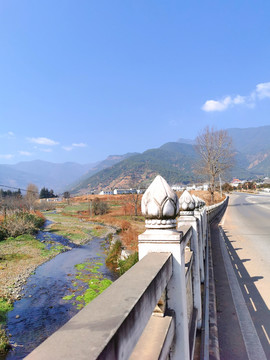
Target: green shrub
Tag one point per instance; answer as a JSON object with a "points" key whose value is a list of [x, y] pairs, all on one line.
{"points": [[3, 233], [126, 264], [113, 255], [5, 307], [20, 223], [100, 207]]}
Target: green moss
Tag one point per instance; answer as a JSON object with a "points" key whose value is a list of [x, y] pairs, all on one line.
{"points": [[80, 266], [96, 287], [88, 273], [68, 297]]}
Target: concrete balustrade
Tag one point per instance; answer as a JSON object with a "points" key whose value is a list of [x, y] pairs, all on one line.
{"points": [[122, 322]]}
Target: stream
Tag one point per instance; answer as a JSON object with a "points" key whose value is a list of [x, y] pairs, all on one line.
{"points": [[41, 310]]}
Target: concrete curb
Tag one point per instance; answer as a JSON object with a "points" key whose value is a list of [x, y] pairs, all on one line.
{"points": [[213, 329]]}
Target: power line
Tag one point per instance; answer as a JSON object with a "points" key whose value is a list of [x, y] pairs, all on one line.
{"points": [[15, 188]]}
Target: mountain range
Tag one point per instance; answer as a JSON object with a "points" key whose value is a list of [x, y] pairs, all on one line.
{"points": [[175, 161], [58, 177]]}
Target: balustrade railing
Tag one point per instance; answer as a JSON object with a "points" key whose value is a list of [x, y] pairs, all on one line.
{"points": [[128, 320]]}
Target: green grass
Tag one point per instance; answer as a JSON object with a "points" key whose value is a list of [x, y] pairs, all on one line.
{"points": [[53, 251], [5, 307], [22, 240], [13, 257], [98, 232], [74, 208], [28, 240], [113, 255], [125, 265], [71, 227]]}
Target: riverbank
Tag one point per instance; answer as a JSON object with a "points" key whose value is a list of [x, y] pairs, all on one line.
{"points": [[20, 256]]}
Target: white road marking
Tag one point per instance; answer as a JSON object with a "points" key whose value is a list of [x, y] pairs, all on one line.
{"points": [[252, 342], [252, 303], [265, 333], [254, 200]]}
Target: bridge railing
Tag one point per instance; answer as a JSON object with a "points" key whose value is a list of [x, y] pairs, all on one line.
{"points": [[154, 310]]}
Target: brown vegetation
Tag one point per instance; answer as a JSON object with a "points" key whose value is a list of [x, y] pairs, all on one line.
{"points": [[121, 214]]}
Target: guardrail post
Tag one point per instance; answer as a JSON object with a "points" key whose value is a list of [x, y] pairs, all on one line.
{"points": [[198, 216], [187, 206], [204, 225], [160, 205]]}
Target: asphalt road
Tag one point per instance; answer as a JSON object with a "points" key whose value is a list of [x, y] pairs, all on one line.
{"points": [[241, 256]]}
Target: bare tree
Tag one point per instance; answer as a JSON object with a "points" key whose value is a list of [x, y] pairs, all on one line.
{"points": [[32, 194], [135, 192], [216, 155]]}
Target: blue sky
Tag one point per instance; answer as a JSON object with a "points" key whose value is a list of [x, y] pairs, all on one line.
{"points": [[80, 80]]}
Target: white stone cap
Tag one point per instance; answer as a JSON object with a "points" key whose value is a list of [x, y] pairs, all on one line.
{"points": [[186, 203], [160, 205]]}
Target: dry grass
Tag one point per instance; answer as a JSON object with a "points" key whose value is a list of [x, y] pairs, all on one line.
{"points": [[121, 214], [19, 256]]}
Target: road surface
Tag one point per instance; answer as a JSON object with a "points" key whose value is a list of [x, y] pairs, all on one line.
{"points": [[241, 256]]}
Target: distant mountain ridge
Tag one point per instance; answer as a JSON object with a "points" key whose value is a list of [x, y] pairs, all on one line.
{"points": [[42, 174], [82, 182], [174, 160], [56, 176]]}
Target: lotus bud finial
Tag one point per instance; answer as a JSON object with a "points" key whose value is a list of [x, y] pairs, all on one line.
{"points": [[160, 205], [187, 203]]}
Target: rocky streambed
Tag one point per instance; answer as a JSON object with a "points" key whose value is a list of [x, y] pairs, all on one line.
{"points": [[40, 309]]}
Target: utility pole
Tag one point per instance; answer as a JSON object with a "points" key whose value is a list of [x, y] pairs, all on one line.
{"points": [[90, 204]]}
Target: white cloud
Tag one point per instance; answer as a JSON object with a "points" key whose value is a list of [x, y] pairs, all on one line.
{"points": [[262, 91], [71, 147], [43, 141], [214, 105], [25, 153], [173, 123], [79, 145], [8, 135], [46, 150], [6, 156], [67, 148]]}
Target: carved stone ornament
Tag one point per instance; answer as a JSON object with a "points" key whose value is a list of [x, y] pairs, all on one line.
{"points": [[197, 202], [160, 205], [201, 203], [186, 203]]}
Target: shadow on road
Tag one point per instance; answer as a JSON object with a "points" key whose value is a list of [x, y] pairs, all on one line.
{"points": [[258, 310], [248, 204]]}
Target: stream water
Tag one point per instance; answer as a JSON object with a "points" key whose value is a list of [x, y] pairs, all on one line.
{"points": [[41, 310]]}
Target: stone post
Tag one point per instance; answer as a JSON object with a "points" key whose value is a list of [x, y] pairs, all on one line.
{"points": [[204, 224], [187, 206], [198, 216], [160, 206]]}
